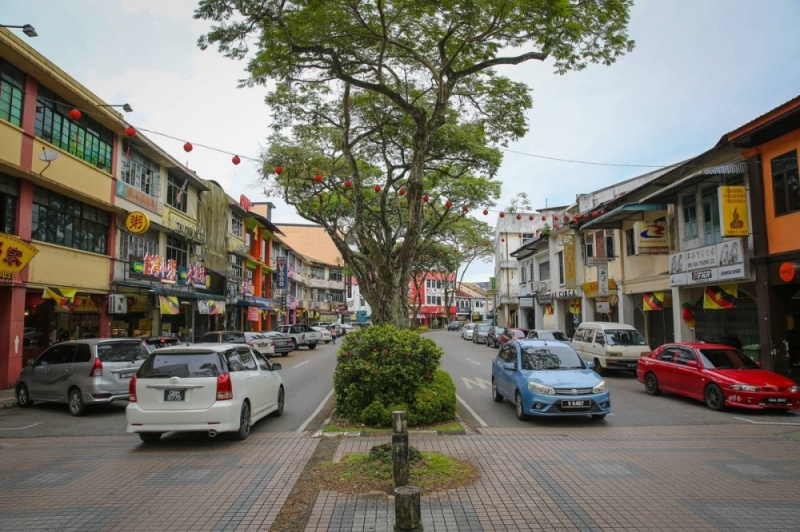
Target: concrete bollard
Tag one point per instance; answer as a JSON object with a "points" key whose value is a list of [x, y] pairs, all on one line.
{"points": [[407, 513], [400, 462]]}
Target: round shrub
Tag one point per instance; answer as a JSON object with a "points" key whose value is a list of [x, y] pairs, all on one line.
{"points": [[384, 365], [435, 401], [422, 329]]}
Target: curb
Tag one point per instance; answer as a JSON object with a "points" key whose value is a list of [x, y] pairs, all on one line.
{"points": [[465, 431]]}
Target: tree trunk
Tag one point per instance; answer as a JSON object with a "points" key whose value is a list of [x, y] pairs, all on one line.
{"points": [[387, 295]]}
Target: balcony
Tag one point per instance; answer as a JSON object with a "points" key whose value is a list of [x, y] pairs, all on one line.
{"points": [[315, 282]]}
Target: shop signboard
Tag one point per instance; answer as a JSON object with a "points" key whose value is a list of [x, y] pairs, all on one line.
{"points": [[733, 211], [134, 195], [592, 289], [193, 276], [548, 297], [15, 254], [137, 223], [152, 267], [281, 273], [651, 238], [602, 280], [252, 314], [247, 287], [526, 302], [570, 272], [184, 225], [725, 261]]}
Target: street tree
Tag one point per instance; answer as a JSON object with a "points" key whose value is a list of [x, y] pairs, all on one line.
{"points": [[395, 102], [436, 262]]}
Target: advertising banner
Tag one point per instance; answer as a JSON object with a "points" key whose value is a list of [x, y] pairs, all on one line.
{"points": [[651, 238], [733, 211], [252, 314], [281, 273], [169, 305], [570, 274]]}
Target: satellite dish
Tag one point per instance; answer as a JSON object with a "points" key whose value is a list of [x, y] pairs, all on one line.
{"points": [[48, 156]]}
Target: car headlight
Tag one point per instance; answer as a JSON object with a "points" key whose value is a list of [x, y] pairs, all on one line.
{"points": [[744, 388], [601, 387], [614, 354], [535, 387], [795, 389]]}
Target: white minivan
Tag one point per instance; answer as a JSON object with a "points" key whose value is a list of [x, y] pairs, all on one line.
{"points": [[611, 346]]}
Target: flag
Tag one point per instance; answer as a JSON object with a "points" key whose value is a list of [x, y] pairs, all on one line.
{"points": [[653, 301], [721, 296], [179, 197], [63, 297], [575, 306], [169, 305]]}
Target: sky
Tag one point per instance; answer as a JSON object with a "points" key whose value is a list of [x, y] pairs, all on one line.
{"points": [[700, 69]]}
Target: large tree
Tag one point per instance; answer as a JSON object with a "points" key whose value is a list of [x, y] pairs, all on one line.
{"points": [[402, 95]]}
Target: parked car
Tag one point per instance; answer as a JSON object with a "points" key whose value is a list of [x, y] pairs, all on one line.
{"points": [[454, 326], [716, 374], [492, 337], [511, 333], [479, 336], [611, 346], [548, 379], [209, 388], [326, 334], [159, 342], [546, 334], [81, 373], [467, 330], [350, 327], [281, 344], [301, 334], [223, 337], [260, 342]]}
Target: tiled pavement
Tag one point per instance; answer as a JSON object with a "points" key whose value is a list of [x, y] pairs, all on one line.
{"points": [[722, 477]]}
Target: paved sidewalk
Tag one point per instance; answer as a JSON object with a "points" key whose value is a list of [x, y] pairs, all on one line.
{"points": [[7, 398], [536, 477]]}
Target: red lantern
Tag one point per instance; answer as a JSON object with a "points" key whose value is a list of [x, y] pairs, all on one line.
{"points": [[603, 211], [279, 170], [555, 218], [502, 214], [470, 247], [585, 216], [687, 313], [448, 204], [75, 114], [544, 218], [537, 231], [566, 217], [402, 192], [502, 240], [318, 178], [465, 208], [485, 212], [520, 235], [530, 217], [519, 217], [188, 147], [486, 243], [236, 159], [377, 188], [555, 226], [348, 184], [594, 213], [425, 198], [130, 131]]}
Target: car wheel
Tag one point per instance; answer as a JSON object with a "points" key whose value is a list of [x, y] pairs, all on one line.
{"points": [[715, 400], [312, 346], [496, 396], [149, 437], [651, 384], [76, 404], [285, 354], [294, 343], [281, 400], [244, 422], [599, 368], [521, 415], [23, 397], [598, 416]]}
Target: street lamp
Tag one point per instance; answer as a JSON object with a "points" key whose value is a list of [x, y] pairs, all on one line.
{"points": [[125, 107], [27, 29]]}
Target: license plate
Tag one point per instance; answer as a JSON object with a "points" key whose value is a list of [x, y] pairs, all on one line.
{"points": [[580, 403], [174, 395], [777, 400], [126, 375]]}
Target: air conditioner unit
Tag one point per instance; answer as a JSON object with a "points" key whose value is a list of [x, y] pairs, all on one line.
{"points": [[197, 249], [232, 258], [117, 304], [248, 274]]}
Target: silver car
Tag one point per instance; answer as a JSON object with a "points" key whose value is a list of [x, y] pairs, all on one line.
{"points": [[481, 333], [81, 373]]}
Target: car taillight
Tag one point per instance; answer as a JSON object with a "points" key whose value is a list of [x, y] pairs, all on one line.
{"points": [[250, 343], [132, 390], [224, 387], [97, 369]]}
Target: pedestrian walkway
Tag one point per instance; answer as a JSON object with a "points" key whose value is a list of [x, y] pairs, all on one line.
{"points": [[535, 477]]}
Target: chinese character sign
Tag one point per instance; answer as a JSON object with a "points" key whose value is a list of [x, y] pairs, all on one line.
{"points": [[733, 210], [154, 266], [281, 279], [137, 223], [15, 254]]}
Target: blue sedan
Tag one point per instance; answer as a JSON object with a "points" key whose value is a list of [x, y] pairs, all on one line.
{"points": [[548, 378]]}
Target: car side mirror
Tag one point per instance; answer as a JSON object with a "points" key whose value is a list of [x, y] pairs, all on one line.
{"points": [[692, 363], [759, 364], [510, 366], [276, 367], [601, 341], [31, 361], [589, 365]]}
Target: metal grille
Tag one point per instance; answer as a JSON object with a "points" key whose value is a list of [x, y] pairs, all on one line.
{"points": [[568, 391], [713, 325]]}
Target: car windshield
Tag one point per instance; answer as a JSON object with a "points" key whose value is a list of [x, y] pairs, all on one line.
{"points": [[624, 337], [516, 333], [122, 351], [726, 359], [553, 335], [552, 357], [274, 334], [253, 336], [161, 365], [482, 328], [232, 338]]}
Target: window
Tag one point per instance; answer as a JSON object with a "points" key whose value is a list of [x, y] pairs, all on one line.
{"points": [[685, 356], [236, 268], [523, 273], [247, 359], [335, 275], [433, 284], [177, 192], [610, 243], [667, 355], [785, 183], [544, 270], [12, 86], [176, 250], [317, 272], [433, 300], [362, 302], [590, 246], [237, 225], [140, 172], [139, 245], [690, 229], [8, 203], [336, 296], [630, 242], [560, 267], [66, 222], [84, 138], [711, 224]]}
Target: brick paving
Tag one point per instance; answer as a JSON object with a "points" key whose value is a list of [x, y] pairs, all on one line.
{"points": [[721, 477]]}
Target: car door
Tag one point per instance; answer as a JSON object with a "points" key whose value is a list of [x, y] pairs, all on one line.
{"points": [[58, 372], [687, 380], [663, 366], [254, 385], [40, 373], [508, 377], [270, 382]]}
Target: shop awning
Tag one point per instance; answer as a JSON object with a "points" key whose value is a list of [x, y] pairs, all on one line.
{"points": [[613, 219], [669, 194], [186, 294]]}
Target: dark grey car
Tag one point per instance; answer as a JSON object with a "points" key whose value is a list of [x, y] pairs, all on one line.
{"points": [[81, 373]]}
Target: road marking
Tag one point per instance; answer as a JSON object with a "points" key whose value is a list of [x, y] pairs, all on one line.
{"points": [[300, 364], [476, 363], [766, 422], [21, 428], [480, 383], [317, 411], [474, 414]]}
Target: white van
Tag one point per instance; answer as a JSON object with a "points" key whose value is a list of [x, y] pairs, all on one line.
{"points": [[611, 346]]}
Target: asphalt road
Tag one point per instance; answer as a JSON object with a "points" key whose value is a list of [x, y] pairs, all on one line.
{"points": [[307, 376]]}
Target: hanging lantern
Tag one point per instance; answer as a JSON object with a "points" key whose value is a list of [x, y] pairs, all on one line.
{"points": [[486, 243], [465, 208], [448, 204], [402, 192], [279, 170], [520, 235], [188, 147], [502, 240], [555, 226], [485, 212], [377, 188], [519, 217], [530, 217], [594, 213], [687, 312], [75, 114], [544, 218], [236, 159], [470, 248], [318, 178], [502, 214], [566, 217], [603, 211], [130, 131], [585, 216], [425, 198], [537, 231], [555, 218], [348, 184]]}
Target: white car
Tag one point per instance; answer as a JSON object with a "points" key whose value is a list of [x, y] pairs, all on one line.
{"points": [[326, 334], [467, 331], [209, 388], [261, 343]]}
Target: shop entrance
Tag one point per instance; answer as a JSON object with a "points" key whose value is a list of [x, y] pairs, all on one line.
{"points": [[741, 322]]}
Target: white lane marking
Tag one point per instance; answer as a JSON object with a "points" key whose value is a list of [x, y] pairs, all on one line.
{"points": [[317, 411], [480, 383], [474, 414], [766, 422], [21, 428], [300, 364], [476, 363]]}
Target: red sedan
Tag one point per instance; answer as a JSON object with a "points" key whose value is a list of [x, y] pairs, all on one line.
{"points": [[512, 333], [718, 375]]}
